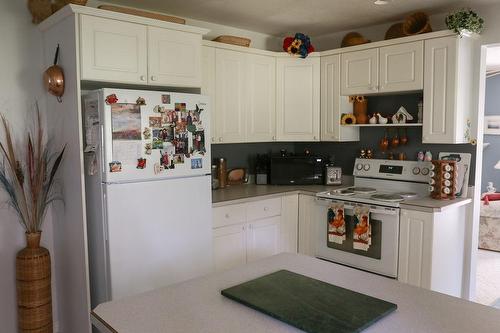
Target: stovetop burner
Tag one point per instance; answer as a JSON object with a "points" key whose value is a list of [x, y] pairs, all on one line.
{"points": [[407, 195], [344, 192], [362, 190], [388, 197]]}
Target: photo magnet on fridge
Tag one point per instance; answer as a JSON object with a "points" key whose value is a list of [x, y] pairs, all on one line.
{"points": [[115, 166], [155, 122], [165, 99], [196, 163]]}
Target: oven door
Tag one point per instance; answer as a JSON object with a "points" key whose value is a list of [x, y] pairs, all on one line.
{"points": [[382, 255]]}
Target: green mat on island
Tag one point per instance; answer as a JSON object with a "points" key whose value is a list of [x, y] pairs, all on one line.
{"points": [[308, 304]]}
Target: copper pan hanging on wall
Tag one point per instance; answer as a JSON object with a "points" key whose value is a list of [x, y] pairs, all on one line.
{"points": [[53, 78]]}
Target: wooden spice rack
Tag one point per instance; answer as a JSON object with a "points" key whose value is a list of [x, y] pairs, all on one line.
{"points": [[443, 184]]}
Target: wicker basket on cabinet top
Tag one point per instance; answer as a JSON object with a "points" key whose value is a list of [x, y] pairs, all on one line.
{"points": [[234, 40]]}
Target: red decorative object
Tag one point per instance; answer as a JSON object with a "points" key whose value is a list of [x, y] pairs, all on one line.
{"points": [[141, 163], [300, 45], [111, 99]]}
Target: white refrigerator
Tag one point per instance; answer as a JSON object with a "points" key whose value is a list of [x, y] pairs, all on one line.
{"points": [[148, 190]]}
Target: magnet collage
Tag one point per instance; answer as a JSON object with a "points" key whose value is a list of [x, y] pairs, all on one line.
{"points": [[176, 133], [170, 134]]}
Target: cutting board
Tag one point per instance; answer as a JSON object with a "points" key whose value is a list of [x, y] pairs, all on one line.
{"points": [[308, 304]]}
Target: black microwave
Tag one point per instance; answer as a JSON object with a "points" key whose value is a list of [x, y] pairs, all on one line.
{"points": [[297, 170]]}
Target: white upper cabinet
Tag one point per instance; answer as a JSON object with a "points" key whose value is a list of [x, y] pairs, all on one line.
{"points": [[113, 51], [360, 71], [448, 78], [230, 74], [261, 98], [402, 67], [123, 52], [298, 99], [208, 84], [174, 58], [333, 105]]}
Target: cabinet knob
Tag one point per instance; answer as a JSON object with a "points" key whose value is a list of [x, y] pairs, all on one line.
{"points": [[274, 138], [212, 139], [143, 78], [374, 88], [314, 137], [266, 209], [220, 139], [153, 78], [226, 216], [382, 87]]}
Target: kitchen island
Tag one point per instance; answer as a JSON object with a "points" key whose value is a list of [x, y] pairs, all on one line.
{"points": [[198, 306]]}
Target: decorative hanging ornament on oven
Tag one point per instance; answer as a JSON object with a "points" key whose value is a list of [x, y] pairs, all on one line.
{"points": [[336, 223], [362, 233]]}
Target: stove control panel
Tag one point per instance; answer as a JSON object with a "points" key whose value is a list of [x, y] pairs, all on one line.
{"points": [[392, 169]]}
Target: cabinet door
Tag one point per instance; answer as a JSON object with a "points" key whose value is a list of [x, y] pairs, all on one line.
{"points": [[333, 105], [229, 247], [289, 223], [113, 51], [440, 90], [415, 248], [402, 67], [261, 98], [263, 238], [208, 84], [230, 85], [307, 215], [298, 99], [360, 72], [174, 58]]}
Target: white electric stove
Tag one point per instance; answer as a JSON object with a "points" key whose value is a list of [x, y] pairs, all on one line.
{"points": [[379, 185]]}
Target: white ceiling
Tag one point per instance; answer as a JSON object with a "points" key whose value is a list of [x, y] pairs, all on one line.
{"points": [[313, 17]]}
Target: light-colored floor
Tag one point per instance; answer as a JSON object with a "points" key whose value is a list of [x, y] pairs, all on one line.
{"points": [[488, 278]]}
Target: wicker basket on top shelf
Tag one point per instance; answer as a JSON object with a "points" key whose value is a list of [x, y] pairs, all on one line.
{"points": [[234, 40]]}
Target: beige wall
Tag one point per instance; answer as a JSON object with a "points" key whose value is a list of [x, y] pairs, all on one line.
{"points": [[20, 86]]}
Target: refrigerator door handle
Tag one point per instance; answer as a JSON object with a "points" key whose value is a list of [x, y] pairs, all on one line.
{"points": [[103, 164]]}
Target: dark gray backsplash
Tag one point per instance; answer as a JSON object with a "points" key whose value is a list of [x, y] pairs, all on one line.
{"points": [[243, 155], [491, 153]]}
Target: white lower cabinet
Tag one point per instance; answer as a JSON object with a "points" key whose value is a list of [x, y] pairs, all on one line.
{"points": [[251, 231], [263, 238], [431, 249], [307, 216], [229, 246]]}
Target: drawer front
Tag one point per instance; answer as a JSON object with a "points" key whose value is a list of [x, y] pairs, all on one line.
{"points": [[263, 208], [228, 215]]}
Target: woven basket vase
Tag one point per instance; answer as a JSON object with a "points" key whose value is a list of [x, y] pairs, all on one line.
{"points": [[33, 284]]}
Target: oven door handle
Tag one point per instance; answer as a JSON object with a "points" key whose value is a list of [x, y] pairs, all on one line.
{"points": [[373, 209]]}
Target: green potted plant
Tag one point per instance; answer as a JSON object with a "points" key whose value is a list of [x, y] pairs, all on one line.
{"points": [[28, 178], [465, 22]]}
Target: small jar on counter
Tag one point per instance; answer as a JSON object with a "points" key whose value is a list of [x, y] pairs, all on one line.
{"points": [[222, 172], [215, 177]]}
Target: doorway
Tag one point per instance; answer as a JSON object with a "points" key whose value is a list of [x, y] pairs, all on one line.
{"points": [[487, 289]]}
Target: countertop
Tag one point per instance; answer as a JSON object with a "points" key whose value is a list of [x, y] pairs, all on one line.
{"points": [[246, 192], [198, 306]]}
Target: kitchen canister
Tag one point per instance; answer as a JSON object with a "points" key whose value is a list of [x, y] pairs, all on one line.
{"points": [[222, 172]]}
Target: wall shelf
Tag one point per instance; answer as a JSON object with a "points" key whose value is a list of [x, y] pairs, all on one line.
{"points": [[386, 125]]}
